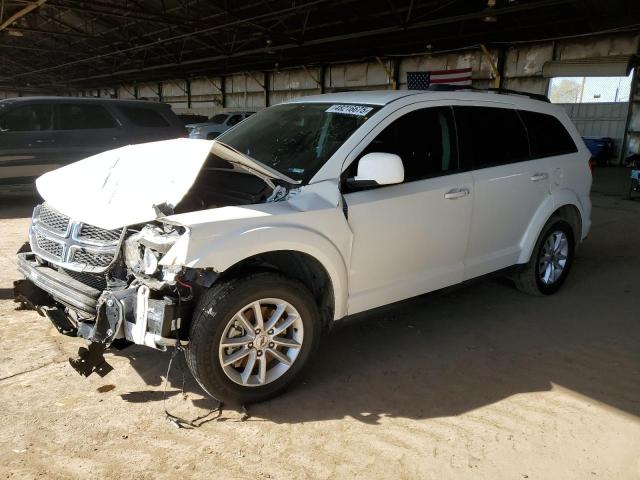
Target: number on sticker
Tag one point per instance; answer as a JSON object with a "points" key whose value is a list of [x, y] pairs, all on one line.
{"points": [[359, 110]]}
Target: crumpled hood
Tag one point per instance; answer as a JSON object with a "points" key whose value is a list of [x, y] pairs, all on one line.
{"points": [[120, 187]]}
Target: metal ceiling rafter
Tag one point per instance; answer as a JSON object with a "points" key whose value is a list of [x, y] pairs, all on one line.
{"points": [[21, 13], [353, 35]]}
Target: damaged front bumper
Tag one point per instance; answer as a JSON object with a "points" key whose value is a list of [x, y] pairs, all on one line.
{"points": [[135, 313]]}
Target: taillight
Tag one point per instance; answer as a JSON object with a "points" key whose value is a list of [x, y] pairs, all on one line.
{"points": [[592, 164]]}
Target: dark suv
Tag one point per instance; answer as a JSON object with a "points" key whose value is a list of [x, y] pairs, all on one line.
{"points": [[38, 134]]}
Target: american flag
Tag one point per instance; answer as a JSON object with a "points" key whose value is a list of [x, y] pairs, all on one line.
{"points": [[422, 80]]}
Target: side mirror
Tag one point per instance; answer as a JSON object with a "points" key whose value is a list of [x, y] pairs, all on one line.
{"points": [[378, 169]]}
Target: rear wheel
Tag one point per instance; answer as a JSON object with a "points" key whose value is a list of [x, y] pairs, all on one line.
{"points": [[251, 337], [550, 261]]}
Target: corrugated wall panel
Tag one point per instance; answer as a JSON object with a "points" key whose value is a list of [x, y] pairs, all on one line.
{"points": [[599, 119]]}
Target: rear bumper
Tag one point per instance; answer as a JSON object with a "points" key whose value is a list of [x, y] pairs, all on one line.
{"points": [[61, 287]]}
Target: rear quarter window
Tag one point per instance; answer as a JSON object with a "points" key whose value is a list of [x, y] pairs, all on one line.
{"points": [[143, 117], [547, 135]]}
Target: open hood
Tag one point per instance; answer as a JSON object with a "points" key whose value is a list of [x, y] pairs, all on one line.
{"points": [[123, 186]]}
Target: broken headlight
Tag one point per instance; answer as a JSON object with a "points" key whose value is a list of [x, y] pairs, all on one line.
{"points": [[144, 249]]}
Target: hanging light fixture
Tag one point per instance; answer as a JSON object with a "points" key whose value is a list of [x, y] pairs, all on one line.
{"points": [[489, 13]]}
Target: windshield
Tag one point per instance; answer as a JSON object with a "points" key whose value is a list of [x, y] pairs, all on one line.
{"points": [[218, 119], [297, 139]]}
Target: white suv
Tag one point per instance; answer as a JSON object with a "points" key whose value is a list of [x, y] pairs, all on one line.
{"points": [[248, 247]]}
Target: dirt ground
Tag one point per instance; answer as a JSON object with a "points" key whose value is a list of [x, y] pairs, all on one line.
{"points": [[482, 382]]}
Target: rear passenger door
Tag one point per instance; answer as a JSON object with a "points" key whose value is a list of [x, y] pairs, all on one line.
{"points": [[84, 129], [508, 185]]}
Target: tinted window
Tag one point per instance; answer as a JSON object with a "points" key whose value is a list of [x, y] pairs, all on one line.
{"points": [[218, 119], [143, 117], [547, 135], [84, 116], [490, 136], [234, 119], [425, 141], [26, 118]]}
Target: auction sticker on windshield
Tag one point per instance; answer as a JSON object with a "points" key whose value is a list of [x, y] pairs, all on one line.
{"points": [[359, 110]]}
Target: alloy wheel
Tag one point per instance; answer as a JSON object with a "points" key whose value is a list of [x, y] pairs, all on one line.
{"points": [[261, 342]]}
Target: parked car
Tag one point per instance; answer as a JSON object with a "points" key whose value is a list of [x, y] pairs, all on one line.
{"points": [[249, 247], [190, 118], [216, 125], [38, 134]]}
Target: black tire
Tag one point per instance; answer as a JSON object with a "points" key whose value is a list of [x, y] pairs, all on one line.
{"points": [[216, 308], [528, 279]]}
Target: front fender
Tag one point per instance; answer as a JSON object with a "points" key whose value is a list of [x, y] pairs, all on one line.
{"points": [[221, 253], [558, 199]]}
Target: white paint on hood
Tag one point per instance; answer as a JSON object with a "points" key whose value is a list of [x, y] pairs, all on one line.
{"points": [[120, 187]]}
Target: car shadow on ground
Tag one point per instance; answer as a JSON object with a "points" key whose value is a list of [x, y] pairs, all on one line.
{"points": [[442, 355]]}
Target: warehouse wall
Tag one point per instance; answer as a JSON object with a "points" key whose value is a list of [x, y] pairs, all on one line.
{"points": [[599, 120], [520, 65]]}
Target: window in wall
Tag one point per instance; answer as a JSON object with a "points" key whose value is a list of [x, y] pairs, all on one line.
{"points": [[590, 89], [425, 141], [27, 118], [83, 117], [491, 136]]}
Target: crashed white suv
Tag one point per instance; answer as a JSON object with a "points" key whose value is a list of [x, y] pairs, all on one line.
{"points": [[248, 247]]}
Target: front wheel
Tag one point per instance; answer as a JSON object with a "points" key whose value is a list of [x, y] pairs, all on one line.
{"points": [[251, 337], [550, 261]]}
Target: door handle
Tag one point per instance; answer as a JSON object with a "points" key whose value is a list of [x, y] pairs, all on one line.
{"points": [[456, 193], [40, 141], [536, 177]]}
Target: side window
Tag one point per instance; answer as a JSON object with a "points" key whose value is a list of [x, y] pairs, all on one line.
{"points": [[143, 117], [547, 135], [78, 116], [490, 136], [234, 119], [425, 141], [27, 118]]}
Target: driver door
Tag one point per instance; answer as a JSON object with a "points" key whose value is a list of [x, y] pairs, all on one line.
{"points": [[410, 238]]}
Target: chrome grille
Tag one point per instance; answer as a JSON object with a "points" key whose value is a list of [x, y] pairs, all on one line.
{"points": [[92, 259], [50, 246], [72, 245], [98, 235], [52, 220]]}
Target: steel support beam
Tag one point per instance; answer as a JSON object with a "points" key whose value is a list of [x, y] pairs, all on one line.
{"points": [[21, 13]]}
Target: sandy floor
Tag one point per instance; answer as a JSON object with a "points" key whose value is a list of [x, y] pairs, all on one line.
{"points": [[483, 382]]}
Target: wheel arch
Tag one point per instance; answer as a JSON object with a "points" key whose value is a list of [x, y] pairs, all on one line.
{"points": [[564, 204], [293, 264], [296, 252]]}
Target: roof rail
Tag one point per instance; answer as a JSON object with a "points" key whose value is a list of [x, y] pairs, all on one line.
{"points": [[443, 87]]}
